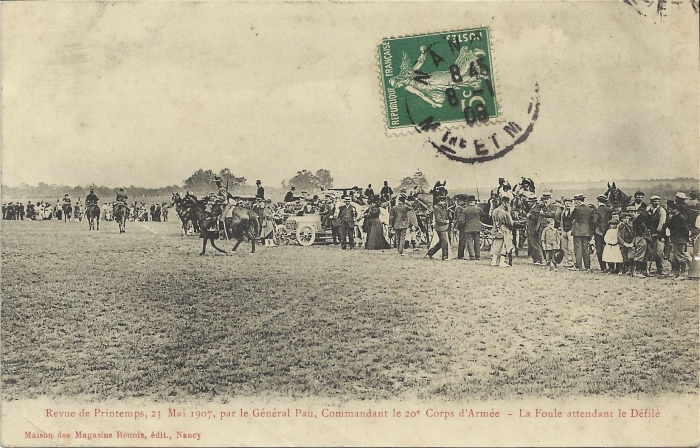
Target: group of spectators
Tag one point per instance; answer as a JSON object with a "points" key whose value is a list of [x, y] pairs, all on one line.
{"points": [[628, 238], [41, 210]]}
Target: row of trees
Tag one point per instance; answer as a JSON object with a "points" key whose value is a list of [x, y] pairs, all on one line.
{"points": [[200, 182], [308, 181]]}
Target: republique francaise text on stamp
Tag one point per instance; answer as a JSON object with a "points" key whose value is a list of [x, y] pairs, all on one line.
{"points": [[438, 78]]}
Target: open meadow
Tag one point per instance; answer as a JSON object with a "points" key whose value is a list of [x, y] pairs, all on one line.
{"points": [[142, 315]]}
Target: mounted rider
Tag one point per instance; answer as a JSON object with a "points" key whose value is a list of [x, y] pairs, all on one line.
{"points": [[504, 190], [120, 200], [219, 199], [91, 198], [66, 199]]}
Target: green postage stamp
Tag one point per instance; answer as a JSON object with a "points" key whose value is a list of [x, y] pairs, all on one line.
{"points": [[438, 78]]}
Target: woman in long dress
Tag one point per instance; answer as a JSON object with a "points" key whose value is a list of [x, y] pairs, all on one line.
{"points": [[375, 234]]}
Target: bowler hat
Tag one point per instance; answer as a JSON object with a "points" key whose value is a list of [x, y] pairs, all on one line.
{"points": [[471, 198], [639, 193]]}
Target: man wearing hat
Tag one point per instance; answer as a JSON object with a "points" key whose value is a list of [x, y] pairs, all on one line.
{"points": [[471, 228], [347, 215], [386, 192], [682, 207], [657, 228], [536, 222], [441, 223], [411, 233], [91, 198], [602, 217], [582, 223], [260, 193], [679, 236], [369, 193], [641, 241], [567, 241], [289, 197], [502, 245], [121, 197], [399, 221]]}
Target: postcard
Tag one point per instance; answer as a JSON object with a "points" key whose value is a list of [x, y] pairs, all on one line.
{"points": [[351, 223]]}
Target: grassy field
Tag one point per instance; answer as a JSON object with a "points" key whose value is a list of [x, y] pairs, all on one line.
{"points": [[142, 315]]}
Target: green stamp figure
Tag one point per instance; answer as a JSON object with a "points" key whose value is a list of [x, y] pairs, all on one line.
{"points": [[438, 78]]}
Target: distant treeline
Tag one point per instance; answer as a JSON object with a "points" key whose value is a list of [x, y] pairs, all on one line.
{"points": [[666, 188]]}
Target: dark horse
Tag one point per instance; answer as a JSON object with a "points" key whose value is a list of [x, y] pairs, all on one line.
{"points": [[242, 223], [183, 212], [67, 212], [121, 214], [616, 196], [92, 212]]}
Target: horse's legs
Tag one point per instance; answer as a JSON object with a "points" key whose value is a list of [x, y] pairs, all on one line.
{"points": [[216, 247], [238, 243], [252, 241], [204, 246]]}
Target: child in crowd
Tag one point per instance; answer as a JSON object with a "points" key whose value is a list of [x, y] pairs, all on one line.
{"points": [[625, 236], [551, 242], [611, 253]]}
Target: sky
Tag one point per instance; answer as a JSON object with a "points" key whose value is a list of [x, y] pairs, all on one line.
{"points": [[144, 94]]}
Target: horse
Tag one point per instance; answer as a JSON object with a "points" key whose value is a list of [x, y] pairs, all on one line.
{"points": [[67, 212], [121, 213], [183, 212], [92, 212], [615, 195], [240, 223]]}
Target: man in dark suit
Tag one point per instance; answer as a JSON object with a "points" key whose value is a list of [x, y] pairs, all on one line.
{"points": [[347, 215], [369, 193], [472, 228], [386, 192], [441, 224], [289, 197], [581, 224], [399, 221], [602, 217], [260, 193]]}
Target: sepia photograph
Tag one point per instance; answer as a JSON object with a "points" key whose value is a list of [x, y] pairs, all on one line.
{"points": [[350, 223]]}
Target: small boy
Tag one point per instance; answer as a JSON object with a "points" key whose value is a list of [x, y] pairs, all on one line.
{"points": [[625, 236], [551, 242]]}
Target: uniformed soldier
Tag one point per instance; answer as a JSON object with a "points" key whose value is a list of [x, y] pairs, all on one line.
{"points": [[121, 197], [91, 198]]}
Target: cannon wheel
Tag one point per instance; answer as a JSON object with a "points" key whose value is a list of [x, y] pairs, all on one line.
{"points": [[306, 235]]}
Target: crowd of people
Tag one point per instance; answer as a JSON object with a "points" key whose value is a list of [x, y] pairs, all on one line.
{"points": [[627, 235], [75, 210]]}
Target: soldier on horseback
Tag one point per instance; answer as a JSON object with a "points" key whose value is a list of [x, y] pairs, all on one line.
{"points": [[91, 198], [121, 198]]}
